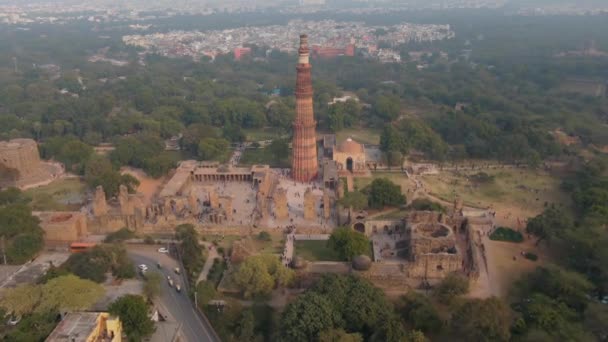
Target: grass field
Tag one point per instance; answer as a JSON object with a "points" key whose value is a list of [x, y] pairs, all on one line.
{"points": [[315, 250], [252, 156], [261, 134], [366, 136], [61, 195], [521, 189], [395, 177]]}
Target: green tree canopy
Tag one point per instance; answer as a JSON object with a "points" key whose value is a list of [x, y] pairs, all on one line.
{"points": [[455, 284], [482, 320], [259, 274], [66, 292], [348, 243], [382, 192], [134, 315]]}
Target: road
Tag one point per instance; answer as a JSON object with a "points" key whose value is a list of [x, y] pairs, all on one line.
{"points": [[194, 329]]}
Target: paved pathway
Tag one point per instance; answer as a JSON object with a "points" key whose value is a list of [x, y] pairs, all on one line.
{"points": [[211, 256], [289, 249]]}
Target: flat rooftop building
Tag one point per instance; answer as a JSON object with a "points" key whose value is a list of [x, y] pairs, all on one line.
{"points": [[87, 327]]}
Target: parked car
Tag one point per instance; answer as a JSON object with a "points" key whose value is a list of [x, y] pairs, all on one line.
{"points": [[170, 281], [163, 250], [143, 267], [13, 320], [177, 270], [178, 288]]}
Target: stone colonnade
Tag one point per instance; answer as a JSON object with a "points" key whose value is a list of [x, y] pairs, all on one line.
{"points": [[218, 177]]}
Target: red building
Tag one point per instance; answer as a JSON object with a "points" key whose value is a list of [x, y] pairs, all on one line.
{"points": [[331, 52], [239, 53]]}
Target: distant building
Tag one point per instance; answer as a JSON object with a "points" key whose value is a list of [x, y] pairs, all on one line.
{"points": [[241, 52], [331, 52], [87, 327]]}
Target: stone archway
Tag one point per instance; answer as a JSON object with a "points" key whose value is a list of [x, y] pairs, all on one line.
{"points": [[349, 164], [360, 227]]}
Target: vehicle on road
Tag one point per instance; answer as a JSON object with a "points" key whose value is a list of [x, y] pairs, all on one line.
{"points": [[163, 250], [13, 320], [158, 265], [143, 267], [178, 288], [177, 270], [170, 281]]}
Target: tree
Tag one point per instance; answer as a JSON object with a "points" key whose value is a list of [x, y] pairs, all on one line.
{"points": [[355, 199], [20, 229], [339, 335], [95, 263], [205, 292], [455, 284], [307, 316], [390, 330], [99, 171], [420, 313], [550, 224], [383, 192], [279, 149], [67, 292], [348, 243], [152, 285], [192, 254], [212, 148], [259, 274], [246, 326], [386, 107], [482, 320], [133, 313]]}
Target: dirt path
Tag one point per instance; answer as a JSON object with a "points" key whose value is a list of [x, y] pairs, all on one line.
{"points": [[148, 186]]}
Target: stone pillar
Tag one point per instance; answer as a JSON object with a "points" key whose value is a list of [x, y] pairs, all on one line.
{"points": [[193, 203], [123, 199], [309, 205], [100, 206], [304, 147], [326, 205], [280, 204]]}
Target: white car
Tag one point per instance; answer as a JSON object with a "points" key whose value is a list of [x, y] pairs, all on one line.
{"points": [[143, 267], [14, 320], [163, 250]]}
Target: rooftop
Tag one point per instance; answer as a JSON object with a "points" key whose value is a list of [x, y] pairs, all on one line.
{"points": [[77, 327]]}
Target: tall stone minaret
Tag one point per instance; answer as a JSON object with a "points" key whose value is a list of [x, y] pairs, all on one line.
{"points": [[304, 165]]}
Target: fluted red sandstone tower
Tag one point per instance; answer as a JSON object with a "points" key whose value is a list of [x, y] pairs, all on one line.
{"points": [[304, 166]]}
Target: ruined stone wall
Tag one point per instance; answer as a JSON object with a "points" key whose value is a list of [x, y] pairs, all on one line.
{"points": [[63, 227], [434, 265], [21, 155], [310, 212], [280, 204]]}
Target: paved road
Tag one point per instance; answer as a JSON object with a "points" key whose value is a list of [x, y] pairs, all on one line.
{"points": [[194, 329]]}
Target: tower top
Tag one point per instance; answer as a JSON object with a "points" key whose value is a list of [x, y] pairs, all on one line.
{"points": [[303, 50]]}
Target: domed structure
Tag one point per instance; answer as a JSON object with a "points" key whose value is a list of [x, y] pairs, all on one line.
{"points": [[350, 156], [362, 263], [298, 263], [351, 146]]}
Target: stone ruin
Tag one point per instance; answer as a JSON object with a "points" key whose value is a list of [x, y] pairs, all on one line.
{"points": [[433, 251], [21, 167], [310, 212], [281, 209]]}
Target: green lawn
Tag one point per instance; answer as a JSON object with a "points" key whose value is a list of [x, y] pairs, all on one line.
{"points": [[517, 188], [61, 195], [261, 134], [263, 156], [315, 250], [366, 136]]}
